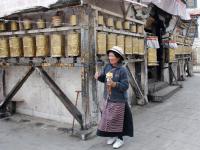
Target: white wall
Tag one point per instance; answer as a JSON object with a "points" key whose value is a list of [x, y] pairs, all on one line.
{"points": [[38, 98]]}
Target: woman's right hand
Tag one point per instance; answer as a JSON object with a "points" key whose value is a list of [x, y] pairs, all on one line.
{"points": [[96, 76]]}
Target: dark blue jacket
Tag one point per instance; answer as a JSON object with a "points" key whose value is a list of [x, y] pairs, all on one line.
{"points": [[119, 93]]}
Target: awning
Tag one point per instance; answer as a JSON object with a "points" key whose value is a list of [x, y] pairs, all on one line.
{"points": [[173, 7], [8, 7]]}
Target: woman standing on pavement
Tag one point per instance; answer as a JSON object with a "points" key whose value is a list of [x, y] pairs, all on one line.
{"points": [[116, 118]]}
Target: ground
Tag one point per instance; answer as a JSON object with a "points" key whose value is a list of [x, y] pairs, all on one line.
{"points": [[171, 125]]}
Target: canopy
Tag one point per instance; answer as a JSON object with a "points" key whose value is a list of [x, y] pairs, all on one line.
{"points": [[173, 7]]}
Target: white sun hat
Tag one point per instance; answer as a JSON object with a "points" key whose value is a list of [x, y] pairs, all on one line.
{"points": [[118, 50]]}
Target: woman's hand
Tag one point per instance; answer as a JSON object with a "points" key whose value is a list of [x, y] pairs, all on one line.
{"points": [[111, 83], [96, 76]]}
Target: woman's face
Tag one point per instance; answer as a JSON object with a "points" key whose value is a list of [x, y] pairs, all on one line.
{"points": [[112, 58]]}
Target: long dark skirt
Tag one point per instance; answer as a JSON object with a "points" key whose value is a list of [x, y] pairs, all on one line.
{"points": [[127, 126]]}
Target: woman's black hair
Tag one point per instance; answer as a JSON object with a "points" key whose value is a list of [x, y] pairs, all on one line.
{"points": [[118, 56]]}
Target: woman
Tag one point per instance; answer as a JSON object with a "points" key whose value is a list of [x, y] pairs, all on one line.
{"points": [[116, 120]]}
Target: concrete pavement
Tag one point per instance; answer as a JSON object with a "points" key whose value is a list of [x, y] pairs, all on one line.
{"points": [[171, 125]]}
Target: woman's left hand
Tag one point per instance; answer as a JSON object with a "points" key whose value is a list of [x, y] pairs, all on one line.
{"points": [[111, 83]]}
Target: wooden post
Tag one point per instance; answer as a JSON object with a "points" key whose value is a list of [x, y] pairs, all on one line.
{"points": [[85, 67], [144, 75], [2, 85], [88, 56]]}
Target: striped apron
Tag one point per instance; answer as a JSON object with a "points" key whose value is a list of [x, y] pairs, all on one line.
{"points": [[112, 119]]}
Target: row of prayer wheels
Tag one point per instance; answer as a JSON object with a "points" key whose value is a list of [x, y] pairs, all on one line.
{"points": [[183, 50], [41, 45], [41, 23], [127, 25], [179, 39], [130, 45], [188, 41]]}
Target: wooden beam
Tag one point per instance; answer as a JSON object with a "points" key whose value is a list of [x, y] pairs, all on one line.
{"points": [[116, 15], [46, 30], [136, 88], [60, 94], [16, 88], [2, 85], [136, 3]]}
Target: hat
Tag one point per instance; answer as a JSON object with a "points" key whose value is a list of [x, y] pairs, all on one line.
{"points": [[118, 50]]}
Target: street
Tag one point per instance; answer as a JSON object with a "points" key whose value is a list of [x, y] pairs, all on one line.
{"points": [[171, 125]]}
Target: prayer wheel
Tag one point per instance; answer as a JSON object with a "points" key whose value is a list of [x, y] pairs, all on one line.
{"points": [[73, 44], [73, 20], [101, 43], [42, 45], [110, 22], [133, 28], [135, 46], [178, 50], [152, 57], [14, 26], [100, 21], [27, 24], [128, 45], [41, 24], [15, 44], [56, 21], [29, 46], [141, 47], [140, 29], [2, 26], [4, 48], [118, 24], [127, 25], [120, 41], [112, 40], [57, 45], [171, 55]]}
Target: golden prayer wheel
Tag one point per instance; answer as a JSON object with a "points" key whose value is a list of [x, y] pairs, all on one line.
{"points": [[27, 24], [14, 26], [112, 40], [118, 24], [178, 50], [29, 46], [73, 20], [133, 28], [56, 21], [135, 46], [42, 45], [128, 45], [141, 47], [4, 48], [41, 24], [127, 25], [100, 21], [2, 26], [110, 22], [140, 29], [152, 57], [101, 43], [120, 41], [73, 44], [57, 45], [15, 44], [171, 55]]}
